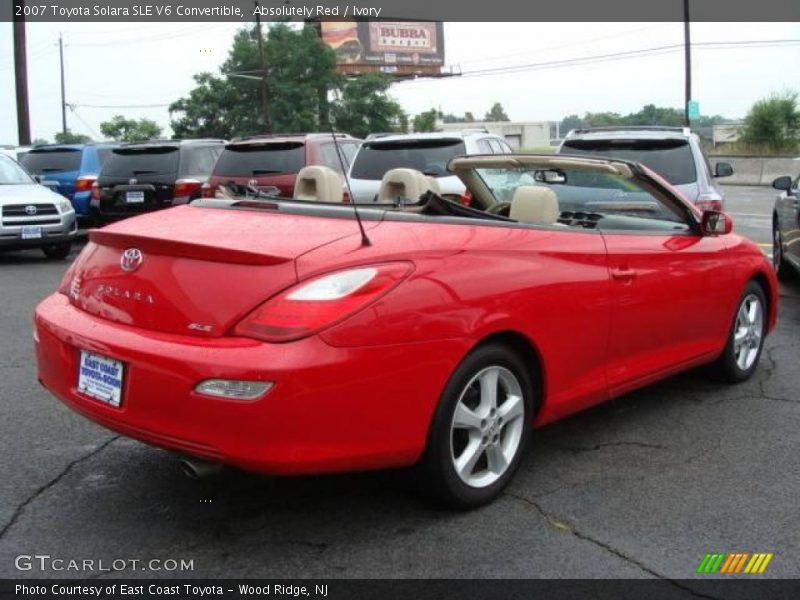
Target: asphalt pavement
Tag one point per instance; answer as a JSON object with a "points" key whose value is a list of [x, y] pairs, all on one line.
{"points": [[641, 487]]}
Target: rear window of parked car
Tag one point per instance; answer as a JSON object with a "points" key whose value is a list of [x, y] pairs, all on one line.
{"points": [[199, 161], [429, 156], [52, 161], [261, 159], [152, 160], [672, 159]]}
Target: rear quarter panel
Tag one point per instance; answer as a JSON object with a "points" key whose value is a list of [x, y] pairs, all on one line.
{"points": [[473, 281]]}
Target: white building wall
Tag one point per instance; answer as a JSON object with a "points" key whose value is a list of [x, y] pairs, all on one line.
{"points": [[518, 134]]}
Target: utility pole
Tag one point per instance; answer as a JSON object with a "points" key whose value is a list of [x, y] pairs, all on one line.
{"points": [[21, 81], [687, 49], [63, 101], [264, 90]]}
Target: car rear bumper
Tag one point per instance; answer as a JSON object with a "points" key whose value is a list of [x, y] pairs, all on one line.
{"points": [[330, 409]]}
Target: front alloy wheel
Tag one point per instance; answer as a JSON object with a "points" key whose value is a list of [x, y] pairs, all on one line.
{"points": [[480, 428], [739, 359]]}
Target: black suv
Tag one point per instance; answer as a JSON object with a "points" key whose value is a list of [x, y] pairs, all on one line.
{"points": [[148, 176]]}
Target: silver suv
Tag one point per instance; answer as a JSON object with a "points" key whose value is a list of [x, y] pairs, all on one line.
{"points": [[672, 152], [425, 152], [31, 215]]}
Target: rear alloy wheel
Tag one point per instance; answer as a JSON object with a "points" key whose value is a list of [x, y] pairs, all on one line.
{"points": [[782, 269], [740, 357], [480, 429], [57, 251]]}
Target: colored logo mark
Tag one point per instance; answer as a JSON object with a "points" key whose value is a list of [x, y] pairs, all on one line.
{"points": [[735, 563]]}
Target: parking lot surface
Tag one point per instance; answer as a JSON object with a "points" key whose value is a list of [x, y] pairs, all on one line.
{"points": [[640, 487]]}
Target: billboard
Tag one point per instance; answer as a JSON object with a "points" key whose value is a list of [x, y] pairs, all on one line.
{"points": [[389, 46]]}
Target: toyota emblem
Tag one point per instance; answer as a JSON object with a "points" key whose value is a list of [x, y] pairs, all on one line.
{"points": [[253, 183], [131, 259], [31, 210], [133, 181]]}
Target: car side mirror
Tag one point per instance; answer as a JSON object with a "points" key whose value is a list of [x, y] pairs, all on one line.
{"points": [[783, 184], [715, 222], [723, 169]]}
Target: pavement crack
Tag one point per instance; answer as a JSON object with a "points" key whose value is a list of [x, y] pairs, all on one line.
{"points": [[579, 449], [563, 525], [42, 489]]}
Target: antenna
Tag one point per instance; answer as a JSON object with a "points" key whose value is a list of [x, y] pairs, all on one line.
{"points": [[365, 241]]}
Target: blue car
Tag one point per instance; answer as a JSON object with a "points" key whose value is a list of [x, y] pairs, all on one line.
{"points": [[74, 167]]}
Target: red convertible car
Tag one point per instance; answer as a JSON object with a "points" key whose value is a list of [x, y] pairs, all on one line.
{"points": [[279, 337]]}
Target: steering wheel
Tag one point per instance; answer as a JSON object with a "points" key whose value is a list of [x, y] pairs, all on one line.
{"points": [[498, 208]]}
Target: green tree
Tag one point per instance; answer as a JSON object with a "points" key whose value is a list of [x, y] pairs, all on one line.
{"points": [[365, 107], [774, 122], [654, 115], [451, 118], [496, 113], [426, 121], [300, 71], [130, 130], [39, 142], [570, 122], [71, 138], [603, 119]]}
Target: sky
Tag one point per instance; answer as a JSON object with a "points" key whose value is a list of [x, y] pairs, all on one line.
{"points": [[111, 66]]}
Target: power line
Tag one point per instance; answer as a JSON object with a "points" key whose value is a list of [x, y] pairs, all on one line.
{"points": [[152, 38], [562, 46], [121, 105], [88, 127], [598, 58]]}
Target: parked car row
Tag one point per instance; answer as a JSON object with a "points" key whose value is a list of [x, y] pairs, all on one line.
{"points": [[108, 181]]}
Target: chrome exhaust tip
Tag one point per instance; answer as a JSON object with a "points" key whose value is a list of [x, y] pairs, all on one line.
{"points": [[195, 468]]}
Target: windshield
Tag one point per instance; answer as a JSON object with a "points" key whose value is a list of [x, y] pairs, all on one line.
{"points": [[133, 162], [46, 160], [428, 156], [12, 174], [261, 159], [582, 194], [672, 159]]}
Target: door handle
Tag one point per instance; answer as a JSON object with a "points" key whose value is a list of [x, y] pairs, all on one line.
{"points": [[623, 273]]}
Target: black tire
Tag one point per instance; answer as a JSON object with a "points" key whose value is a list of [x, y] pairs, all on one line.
{"points": [[783, 269], [727, 367], [57, 251], [441, 479]]}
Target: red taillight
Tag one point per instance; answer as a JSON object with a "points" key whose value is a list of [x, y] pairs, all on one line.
{"points": [[96, 193], [465, 198], [84, 183], [709, 202], [208, 191], [186, 188], [313, 305]]}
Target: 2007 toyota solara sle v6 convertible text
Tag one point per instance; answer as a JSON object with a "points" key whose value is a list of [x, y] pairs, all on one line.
{"points": [[277, 336]]}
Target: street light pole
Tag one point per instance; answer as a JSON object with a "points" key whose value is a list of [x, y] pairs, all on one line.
{"points": [[63, 100], [687, 49]]}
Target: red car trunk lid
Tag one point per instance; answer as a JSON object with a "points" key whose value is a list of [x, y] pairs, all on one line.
{"points": [[194, 270]]}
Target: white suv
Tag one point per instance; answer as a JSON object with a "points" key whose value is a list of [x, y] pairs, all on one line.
{"points": [[673, 152], [425, 152], [32, 216]]}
